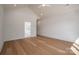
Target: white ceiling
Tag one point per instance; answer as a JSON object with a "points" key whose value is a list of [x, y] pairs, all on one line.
{"points": [[53, 9]]}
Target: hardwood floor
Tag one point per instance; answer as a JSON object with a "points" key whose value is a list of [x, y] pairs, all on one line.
{"points": [[37, 46]]}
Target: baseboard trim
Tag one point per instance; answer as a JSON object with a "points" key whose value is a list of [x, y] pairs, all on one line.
{"points": [[54, 38], [19, 38]]}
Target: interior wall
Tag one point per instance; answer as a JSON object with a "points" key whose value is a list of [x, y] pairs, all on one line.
{"points": [[1, 24], [15, 18], [62, 24]]}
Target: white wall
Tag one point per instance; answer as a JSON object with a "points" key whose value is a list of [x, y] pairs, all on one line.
{"points": [[62, 24], [1, 24], [14, 22]]}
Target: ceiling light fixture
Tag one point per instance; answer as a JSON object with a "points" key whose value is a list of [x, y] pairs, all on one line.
{"points": [[43, 5]]}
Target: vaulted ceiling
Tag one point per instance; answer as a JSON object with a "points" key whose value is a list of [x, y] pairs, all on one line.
{"points": [[52, 9]]}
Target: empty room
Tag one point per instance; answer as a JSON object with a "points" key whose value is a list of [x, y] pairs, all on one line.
{"points": [[39, 29]]}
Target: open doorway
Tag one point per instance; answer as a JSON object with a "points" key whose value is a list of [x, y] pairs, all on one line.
{"points": [[27, 29]]}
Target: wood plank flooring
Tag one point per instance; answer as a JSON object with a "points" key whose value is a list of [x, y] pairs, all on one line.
{"points": [[37, 46]]}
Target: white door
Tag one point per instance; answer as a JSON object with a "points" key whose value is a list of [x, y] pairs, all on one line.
{"points": [[27, 29]]}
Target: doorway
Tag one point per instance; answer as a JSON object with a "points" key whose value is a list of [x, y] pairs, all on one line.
{"points": [[27, 29]]}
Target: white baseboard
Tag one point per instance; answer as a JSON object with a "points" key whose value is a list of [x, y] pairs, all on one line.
{"points": [[19, 38]]}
